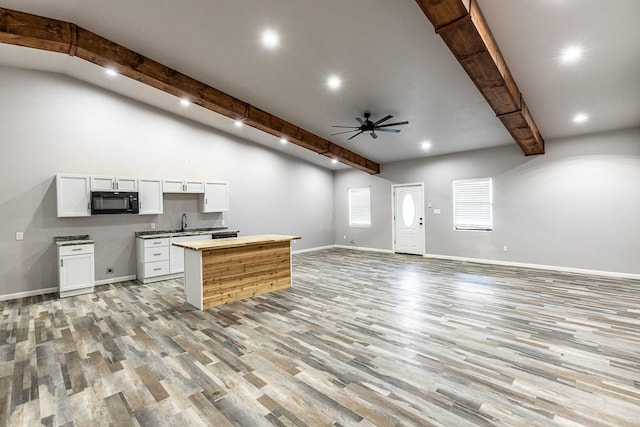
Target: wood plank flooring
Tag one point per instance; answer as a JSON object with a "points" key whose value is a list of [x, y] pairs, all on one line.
{"points": [[360, 339]]}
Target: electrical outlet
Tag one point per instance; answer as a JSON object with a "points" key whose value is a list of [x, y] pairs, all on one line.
{"points": [[504, 248], [110, 270], [345, 237], [436, 211], [153, 226], [19, 235]]}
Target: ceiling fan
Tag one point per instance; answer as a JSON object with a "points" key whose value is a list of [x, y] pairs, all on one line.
{"points": [[367, 125]]}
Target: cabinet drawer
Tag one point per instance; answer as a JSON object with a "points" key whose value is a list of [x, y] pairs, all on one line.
{"points": [[76, 250], [154, 243], [156, 254], [153, 269]]}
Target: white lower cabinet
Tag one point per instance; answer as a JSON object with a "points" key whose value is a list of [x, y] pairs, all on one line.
{"points": [[76, 270], [158, 260], [177, 254]]}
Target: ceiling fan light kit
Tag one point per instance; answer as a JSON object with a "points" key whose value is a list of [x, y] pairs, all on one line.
{"points": [[367, 125]]}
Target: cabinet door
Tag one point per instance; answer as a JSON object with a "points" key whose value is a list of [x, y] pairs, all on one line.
{"points": [[73, 195], [102, 183], [76, 272], [126, 184], [172, 186], [176, 258], [150, 196], [216, 197], [193, 186]]}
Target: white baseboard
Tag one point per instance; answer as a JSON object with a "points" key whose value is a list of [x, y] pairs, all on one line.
{"points": [[614, 274], [319, 248], [54, 290], [361, 248], [115, 280], [25, 294]]}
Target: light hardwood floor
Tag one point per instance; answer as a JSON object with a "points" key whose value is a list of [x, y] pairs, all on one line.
{"points": [[361, 339]]}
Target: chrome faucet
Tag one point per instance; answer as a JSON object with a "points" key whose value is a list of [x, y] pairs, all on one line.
{"points": [[183, 222]]}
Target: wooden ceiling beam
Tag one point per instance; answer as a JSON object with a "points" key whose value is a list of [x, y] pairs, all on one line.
{"points": [[23, 29], [465, 31]]}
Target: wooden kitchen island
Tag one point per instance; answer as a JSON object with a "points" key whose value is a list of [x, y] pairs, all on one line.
{"points": [[220, 271]]}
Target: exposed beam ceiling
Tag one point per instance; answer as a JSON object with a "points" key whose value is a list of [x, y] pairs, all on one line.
{"points": [[465, 31], [33, 31]]}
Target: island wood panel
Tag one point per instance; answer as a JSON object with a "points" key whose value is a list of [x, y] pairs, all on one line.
{"points": [[241, 272], [220, 271]]}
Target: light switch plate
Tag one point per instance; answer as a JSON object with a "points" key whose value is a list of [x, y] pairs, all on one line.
{"points": [[436, 211], [19, 235]]}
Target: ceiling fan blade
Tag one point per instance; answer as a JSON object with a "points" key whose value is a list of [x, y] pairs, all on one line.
{"points": [[354, 135], [346, 131], [393, 124], [373, 135], [384, 119], [388, 130], [348, 127], [360, 121]]}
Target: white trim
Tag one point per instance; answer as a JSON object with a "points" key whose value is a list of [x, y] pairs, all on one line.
{"points": [[115, 280], [26, 294], [614, 274], [319, 248], [360, 248]]}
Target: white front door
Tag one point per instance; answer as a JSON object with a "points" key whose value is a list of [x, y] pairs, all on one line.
{"points": [[408, 219]]}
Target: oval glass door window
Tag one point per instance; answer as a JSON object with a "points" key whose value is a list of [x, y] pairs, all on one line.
{"points": [[408, 210]]}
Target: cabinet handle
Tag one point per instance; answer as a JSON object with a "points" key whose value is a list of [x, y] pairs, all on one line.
{"points": [[116, 185], [206, 202], [157, 254], [157, 269], [156, 243], [76, 249], [61, 263]]}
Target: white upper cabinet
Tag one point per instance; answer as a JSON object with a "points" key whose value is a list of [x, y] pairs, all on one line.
{"points": [[150, 196], [73, 195], [113, 183], [216, 197], [182, 186]]}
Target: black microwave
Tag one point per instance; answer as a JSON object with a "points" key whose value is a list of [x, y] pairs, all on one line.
{"points": [[110, 202]]}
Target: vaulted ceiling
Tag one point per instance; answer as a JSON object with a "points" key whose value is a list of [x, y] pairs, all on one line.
{"points": [[388, 55]]}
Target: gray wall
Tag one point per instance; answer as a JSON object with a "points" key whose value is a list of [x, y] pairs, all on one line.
{"points": [[51, 123], [578, 206]]}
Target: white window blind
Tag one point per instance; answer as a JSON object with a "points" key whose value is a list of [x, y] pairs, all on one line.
{"points": [[359, 207], [473, 204]]}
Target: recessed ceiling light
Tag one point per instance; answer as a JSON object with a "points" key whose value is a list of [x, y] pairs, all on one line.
{"points": [[334, 161], [110, 72], [571, 54], [334, 82], [185, 102], [425, 145], [238, 123], [283, 141], [580, 118], [270, 39]]}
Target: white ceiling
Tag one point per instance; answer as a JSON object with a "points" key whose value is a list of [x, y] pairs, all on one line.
{"points": [[388, 55]]}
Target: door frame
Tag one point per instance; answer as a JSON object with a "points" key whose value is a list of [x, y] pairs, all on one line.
{"points": [[393, 213]]}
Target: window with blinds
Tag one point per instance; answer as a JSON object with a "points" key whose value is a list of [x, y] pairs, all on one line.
{"points": [[473, 204], [359, 207]]}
